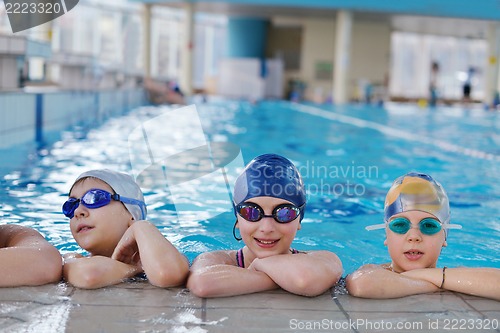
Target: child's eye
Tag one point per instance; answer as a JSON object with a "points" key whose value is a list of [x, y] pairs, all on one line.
{"points": [[400, 225]]}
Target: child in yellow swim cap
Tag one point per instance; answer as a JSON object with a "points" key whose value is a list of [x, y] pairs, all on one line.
{"points": [[417, 216]]}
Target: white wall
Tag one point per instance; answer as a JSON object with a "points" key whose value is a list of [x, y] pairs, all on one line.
{"points": [[370, 53]]}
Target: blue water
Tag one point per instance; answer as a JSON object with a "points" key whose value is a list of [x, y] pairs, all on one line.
{"points": [[348, 157]]}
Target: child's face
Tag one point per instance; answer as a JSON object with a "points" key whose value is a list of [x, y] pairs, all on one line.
{"points": [[267, 237], [414, 249], [98, 230]]}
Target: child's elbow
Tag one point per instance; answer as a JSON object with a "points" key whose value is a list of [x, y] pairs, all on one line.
{"points": [[86, 279], [167, 278], [199, 286], [305, 284], [357, 286], [52, 268], [54, 272]]}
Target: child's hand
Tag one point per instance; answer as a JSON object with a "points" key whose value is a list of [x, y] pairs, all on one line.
{"points": [[254, 266], [127, 250]]}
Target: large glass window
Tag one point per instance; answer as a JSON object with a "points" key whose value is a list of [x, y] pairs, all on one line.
{"points": [[209, 47], [412, 57]]}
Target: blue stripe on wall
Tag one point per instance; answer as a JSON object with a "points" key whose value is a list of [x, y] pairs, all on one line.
{"points": [[247, 37], [39, 119]]}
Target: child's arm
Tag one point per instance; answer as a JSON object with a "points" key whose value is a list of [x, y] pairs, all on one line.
{"points": [[214, 274], [307, 274], [96, 272], [373, 281], [27, 259], [162, 263], [484, 282]]}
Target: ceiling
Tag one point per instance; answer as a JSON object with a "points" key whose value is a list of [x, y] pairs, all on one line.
{"points": [[459, 18]]}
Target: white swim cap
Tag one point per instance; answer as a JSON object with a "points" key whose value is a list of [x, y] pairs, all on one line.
{"points": [[123, 185]]}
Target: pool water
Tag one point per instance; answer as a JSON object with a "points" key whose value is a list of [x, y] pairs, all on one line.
{"points": [[348, 157]]}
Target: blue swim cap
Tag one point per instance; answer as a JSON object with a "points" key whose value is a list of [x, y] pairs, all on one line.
{"points": [[270, 175]]}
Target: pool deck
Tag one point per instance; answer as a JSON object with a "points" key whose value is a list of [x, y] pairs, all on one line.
{"points": [[140, 307]]}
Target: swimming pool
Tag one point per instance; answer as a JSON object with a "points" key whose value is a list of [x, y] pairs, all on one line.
{"points": [[347, 155]]}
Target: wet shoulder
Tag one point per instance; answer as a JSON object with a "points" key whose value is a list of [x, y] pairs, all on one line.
{"points": [[224, 257]]}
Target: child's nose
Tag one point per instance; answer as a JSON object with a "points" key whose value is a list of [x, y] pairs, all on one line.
{"points": [[81, 211], [414, 234], [267, 224]]}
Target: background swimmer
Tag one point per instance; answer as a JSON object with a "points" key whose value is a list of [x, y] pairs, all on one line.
{"points": [[269, 203], [107, 213], [417, 216]]}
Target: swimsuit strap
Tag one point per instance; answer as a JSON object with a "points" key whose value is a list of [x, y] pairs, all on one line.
{"points": [[240, 260]]}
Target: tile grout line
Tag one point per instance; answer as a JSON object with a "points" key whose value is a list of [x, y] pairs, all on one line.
{"points": [[472, 307], [336, 301], [203, 310]]}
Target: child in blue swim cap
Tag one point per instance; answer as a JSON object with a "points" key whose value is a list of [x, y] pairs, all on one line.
{"points": [[269, 202], [108, 219], [417, 216]]}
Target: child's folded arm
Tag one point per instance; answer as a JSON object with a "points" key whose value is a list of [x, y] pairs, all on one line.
{"points": [[214, 274], [307, 274], [162, 263], [374, 281], [97, 271]]}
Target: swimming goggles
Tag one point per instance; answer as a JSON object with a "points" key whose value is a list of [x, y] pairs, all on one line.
{"points": [[427, 226], [96, 198], [284, 213]]}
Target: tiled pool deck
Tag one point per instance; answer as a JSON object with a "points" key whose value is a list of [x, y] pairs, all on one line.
{"points": [[140, 307]]}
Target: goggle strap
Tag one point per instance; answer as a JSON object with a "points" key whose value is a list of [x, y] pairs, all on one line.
{"points": [[375, 226], [132, 202], [452, 226]]}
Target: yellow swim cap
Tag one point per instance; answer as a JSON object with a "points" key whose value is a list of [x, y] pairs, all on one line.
{"points": [[417, 191]]}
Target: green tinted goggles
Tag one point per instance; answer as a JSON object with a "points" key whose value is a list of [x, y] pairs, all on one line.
{"points": [[427, 226]]}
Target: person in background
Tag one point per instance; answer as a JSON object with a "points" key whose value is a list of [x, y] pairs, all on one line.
{"points": [[467, 87], [433, 86]]}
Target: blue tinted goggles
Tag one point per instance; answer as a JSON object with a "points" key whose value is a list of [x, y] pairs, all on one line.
{"points": [[427, 226], [284, 213], [96, 198]]}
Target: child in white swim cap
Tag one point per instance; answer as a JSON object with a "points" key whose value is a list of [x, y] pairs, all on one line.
{"points": [[108, 219]]}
